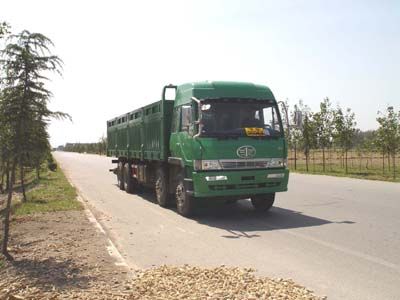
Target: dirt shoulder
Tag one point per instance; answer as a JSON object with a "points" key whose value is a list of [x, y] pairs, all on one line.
{"points": [[60, 255]]}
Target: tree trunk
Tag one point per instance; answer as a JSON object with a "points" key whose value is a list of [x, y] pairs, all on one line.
{"points": [[3, 171], [7, 212], [313, 160], [7, 175], [295, 156], [307, 157], [346, 161], [383, 162], [388, 158], [394, 165], [323, 159], [37, 172], [22, 177], [351, 159]]}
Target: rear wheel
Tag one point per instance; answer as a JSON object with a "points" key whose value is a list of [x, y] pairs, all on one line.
{"points": [[263, 202], [161, 187], [129, 184], [120, 176], [184, 203]]}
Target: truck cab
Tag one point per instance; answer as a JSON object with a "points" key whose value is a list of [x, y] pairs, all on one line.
{"points": [[228, 139]]}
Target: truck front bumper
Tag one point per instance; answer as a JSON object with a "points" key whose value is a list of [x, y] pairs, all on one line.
{"points": [[239, 183]]}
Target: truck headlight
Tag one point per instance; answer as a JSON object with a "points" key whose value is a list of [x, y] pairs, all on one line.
{"points": [[277, 163], [206, 165], [276, 175], [216, 178]]}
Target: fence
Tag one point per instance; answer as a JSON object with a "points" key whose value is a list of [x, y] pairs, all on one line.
{"points": [[359, 163]]}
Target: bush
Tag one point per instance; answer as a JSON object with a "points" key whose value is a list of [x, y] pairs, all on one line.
{"points": [[52, 166]]}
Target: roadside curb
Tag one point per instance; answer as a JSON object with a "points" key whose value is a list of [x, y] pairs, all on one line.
{"points": [[111, 248]]}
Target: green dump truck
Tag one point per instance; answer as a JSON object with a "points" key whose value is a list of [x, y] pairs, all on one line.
{"points": [[215, 140]]}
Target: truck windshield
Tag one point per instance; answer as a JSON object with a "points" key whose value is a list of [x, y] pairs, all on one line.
{"points": [[244, 117]]}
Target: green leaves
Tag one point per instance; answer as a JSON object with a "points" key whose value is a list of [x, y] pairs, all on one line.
{"points": [[388, 134], [344, 128]]}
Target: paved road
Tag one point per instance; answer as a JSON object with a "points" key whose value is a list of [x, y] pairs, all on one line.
{"points": [[338, 236]]}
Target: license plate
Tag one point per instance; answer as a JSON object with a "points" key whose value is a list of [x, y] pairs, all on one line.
{"points": [[254, 131]]}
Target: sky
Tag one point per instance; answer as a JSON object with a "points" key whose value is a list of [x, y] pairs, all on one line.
{"points": [[119, 54]]}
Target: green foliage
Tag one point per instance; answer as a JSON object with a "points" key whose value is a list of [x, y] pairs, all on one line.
{"points": [[94, 148], [337, 127], [4, 29], [25, 62], [344, 128], [388, 134], [323, 121], [53, 192]]}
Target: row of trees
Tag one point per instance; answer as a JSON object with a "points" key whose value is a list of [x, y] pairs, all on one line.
{"points": [[335, 127], [25, 64], [95, 148]]}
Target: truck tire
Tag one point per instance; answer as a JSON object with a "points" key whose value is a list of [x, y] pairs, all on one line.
{"points": [[184, 203], [161, 188], [129, 184], [120, 176], [263, 202]]}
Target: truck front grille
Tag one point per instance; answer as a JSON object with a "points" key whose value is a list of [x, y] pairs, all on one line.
{"points": [[233, 164], [222, 187]]}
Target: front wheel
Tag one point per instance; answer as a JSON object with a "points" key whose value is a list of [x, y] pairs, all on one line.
{"points": [[184, 202], [263, 202]]}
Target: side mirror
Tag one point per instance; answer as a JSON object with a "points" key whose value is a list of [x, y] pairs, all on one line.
{"points": [[171, 89], [196, 111]]}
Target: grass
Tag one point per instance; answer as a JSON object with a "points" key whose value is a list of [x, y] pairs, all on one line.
{"points": [[1, 262], [365, 165], [371, 174], [51, 193]]}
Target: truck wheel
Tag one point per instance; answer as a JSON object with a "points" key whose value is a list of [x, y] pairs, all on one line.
{"points": [[263, 202], [161, 187], [120, 176], [129, 184], [184, 202]]}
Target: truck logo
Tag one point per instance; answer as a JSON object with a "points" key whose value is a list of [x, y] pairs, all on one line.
{"points": [[246, 152]]}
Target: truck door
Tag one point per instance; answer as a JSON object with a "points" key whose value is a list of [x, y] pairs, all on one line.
{"points": [[180, 143]]}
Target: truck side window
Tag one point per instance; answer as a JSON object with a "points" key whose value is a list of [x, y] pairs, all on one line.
{"points": [[186, 117]]}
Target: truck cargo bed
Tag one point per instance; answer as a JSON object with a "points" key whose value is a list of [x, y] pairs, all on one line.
{"points": [[141, 134]]}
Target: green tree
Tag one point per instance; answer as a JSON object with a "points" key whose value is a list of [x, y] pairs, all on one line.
{"points": [[26, 59], [102, 145], [308, 137], [296, 138], [389, 134], [344, 130], [323, 121], [4, 29]]}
